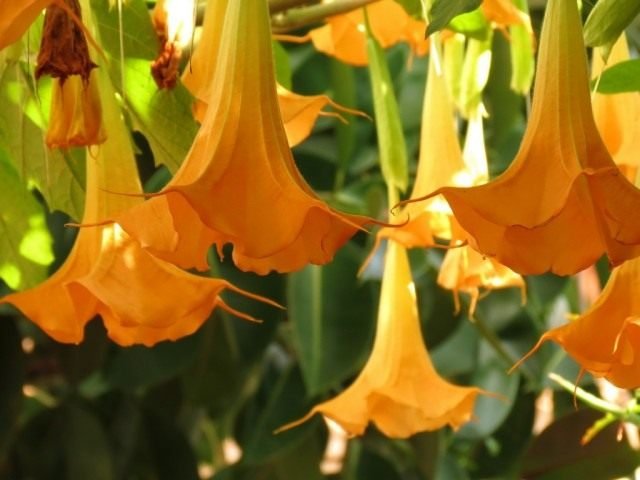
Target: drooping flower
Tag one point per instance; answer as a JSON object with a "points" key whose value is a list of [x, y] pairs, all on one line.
{"points": [[75, 115], [140, 298], [618, 115], [343, 36], [605, 340], [239, 183], [299, 112], [398, 389], [562, 203]]}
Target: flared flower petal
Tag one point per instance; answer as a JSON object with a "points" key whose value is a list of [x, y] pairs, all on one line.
{"points": [[604, 339], [343, 36], [562, 203], [300, 112], [140, 298], [398, 390], [618, 116], [239, 183]]}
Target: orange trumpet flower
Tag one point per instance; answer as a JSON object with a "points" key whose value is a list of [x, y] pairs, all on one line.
{"points": [[398, 390], [239, 183], [604, 339], [618, 116], [140, 298], [562, 203], [16, 16]]}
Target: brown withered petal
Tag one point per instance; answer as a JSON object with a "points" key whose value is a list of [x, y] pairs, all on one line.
{"points": [[63, 49]]}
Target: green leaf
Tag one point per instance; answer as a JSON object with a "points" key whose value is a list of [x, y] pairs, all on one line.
{"points": [[522, 54], [25, 242], [280, 400], [136, 367], [489, 411], [282, 64], [172, 456], [608, 19], [164, 117], [412, 7], [557, 454], [473, 24], [70, 444], [620, 78], [443, 11], [58, 176], [332, 318], [391, 142]]}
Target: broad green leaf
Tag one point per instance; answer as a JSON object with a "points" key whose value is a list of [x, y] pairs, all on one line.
{"points": [[282, 64], [412, 7], [621, 77], [332, 318], [472, 24], [172, 456], [443, 11], [164, 117], [70, 443], [25, 242], [490, 411], [137, 367], [391, 142], [475, 74], [59, 176], [608, 19], [522, 54], [557, 454], [282, 398]]}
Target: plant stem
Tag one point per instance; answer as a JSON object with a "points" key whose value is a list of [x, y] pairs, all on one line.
{"points": [[300, 17]]}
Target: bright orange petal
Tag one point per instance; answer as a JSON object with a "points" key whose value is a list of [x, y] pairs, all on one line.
{"points": [[618, 116], [398, 390], [16, 16], [504, 13], [562, 203], [603, 340], [239, 178]]}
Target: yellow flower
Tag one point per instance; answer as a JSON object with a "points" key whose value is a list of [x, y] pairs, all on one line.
{"points": [[398, 390], [239, 183], [140, 298], [343, 36], [618, 116], [562, 203], [75, 117], [604, 339]]}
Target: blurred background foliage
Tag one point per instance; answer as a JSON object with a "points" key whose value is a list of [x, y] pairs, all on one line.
{"points": [[206, 406]]}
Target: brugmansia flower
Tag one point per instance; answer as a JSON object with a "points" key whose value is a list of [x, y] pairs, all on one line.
{"points": [[343, 36], [140, 298], [618, 116], [398, 390], [300, 112], [239, 183], [75, 116], [562, 203], [604, 339]]}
